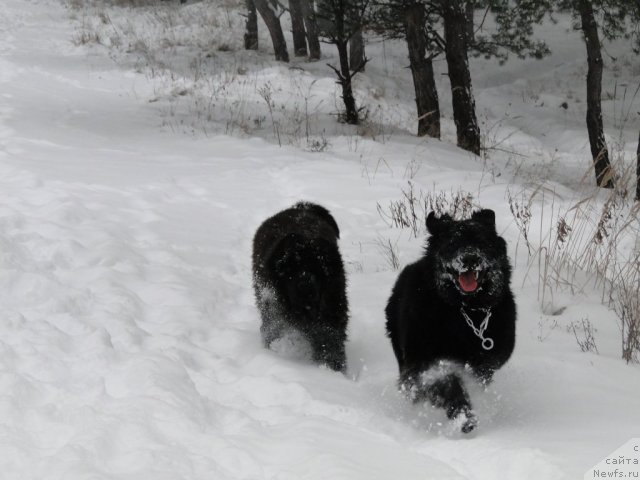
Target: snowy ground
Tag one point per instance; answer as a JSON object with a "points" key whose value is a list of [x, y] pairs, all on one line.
{"points": [[129, 344]]}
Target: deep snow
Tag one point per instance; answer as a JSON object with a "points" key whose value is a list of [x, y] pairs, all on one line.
{"points": [[129, 341]]}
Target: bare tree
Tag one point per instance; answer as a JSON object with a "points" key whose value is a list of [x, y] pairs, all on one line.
{"points": [[409, 20], [422, 22], [356, 51], [469, 10], [340, 20], [309, 14], [272, 21], [464, 107], [297, 29], [251, 27], [638, 170], [595, 127], [421, 66]]}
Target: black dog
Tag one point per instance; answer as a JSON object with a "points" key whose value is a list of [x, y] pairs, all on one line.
{"points": [[299, 281], [453, 307]]}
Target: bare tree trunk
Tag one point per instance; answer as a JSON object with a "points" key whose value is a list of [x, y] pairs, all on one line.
{"points": [[356, 52], [344, 79], [251, 27], [338, 29], [469, 9], [464, 107], [422, 71], [309, 13], [638, 170], [297, 29], [595, 127], [272, 22]]}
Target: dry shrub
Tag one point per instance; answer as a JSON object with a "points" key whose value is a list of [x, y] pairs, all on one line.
{"points": [[584, 331], [590, 241], [411, 210]]}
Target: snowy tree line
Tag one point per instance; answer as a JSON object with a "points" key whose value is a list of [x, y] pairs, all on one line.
{"points": [[454, 29]]}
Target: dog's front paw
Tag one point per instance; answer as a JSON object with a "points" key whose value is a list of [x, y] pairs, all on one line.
{"points": [[465, 421]]}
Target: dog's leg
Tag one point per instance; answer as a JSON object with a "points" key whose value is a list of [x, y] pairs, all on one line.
{"points": [[272, 326], [328, 348], [449, 393], [443, 391], [271, 330], [484, 374]]}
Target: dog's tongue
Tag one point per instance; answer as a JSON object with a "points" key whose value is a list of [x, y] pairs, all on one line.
{"points": [[468, 281]]}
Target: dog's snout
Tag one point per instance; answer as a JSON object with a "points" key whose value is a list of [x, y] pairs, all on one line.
{"points": [[470, 261]]}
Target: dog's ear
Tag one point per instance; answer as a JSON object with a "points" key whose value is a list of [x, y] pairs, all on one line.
{"points": [[486, 217], [436, 225]]}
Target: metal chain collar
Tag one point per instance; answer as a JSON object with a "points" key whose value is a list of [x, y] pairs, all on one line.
{"points": [[487, 342]]}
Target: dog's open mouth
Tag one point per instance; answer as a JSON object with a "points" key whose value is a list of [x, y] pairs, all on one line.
{"points": [[468, 281]]}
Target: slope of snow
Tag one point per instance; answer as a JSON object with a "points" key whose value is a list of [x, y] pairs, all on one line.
{"points": [[129, 341]]}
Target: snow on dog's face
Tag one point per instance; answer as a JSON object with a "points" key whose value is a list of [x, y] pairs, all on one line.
{"points": [[470, 259]]}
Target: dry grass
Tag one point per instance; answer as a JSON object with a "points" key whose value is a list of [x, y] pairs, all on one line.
{"points": [[389, 251], [584, 332], [411, 210], [588, 242]]}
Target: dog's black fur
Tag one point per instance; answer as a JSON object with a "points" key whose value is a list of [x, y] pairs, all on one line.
{"points": [[299, 281], [424, 318]]}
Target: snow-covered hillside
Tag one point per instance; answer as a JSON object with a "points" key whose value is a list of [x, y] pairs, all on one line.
{"points": [[129, 195]]}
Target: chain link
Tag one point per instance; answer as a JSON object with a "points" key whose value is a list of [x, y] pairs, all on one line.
{"points": [[487, 342]]}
